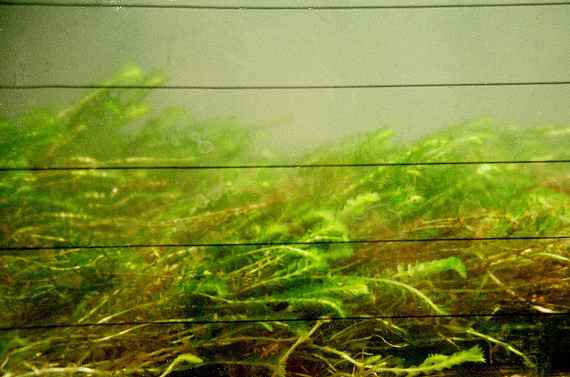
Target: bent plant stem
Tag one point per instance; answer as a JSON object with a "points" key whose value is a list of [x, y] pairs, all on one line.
{"points": [[303, 300], [275, 280], [413, 290], [507, 346], [343, 355], [281, 367], [310, 264], [258, 265], [120, 333]]}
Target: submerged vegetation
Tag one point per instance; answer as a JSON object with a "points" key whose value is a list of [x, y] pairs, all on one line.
{"points": [[276, 244]]}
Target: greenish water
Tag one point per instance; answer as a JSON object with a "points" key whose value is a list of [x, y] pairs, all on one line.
{"points": [[324, 255]]}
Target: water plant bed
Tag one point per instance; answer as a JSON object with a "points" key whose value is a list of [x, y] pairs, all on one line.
{"points": [[438, 257]]}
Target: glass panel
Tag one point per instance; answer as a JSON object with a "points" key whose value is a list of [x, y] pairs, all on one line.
{"points": [[374, 191]]}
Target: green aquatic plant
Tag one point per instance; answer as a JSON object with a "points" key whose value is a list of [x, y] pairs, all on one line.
{"points": [[432, 364], [425, 269], [266, 280]]}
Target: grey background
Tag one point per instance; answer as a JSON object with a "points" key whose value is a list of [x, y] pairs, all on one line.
{"points": [[40, 45]]}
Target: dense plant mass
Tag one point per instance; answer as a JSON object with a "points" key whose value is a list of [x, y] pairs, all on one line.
{"points": [[275, 244]]}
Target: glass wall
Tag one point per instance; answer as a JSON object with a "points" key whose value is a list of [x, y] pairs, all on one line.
{"points": [[284, 188]]}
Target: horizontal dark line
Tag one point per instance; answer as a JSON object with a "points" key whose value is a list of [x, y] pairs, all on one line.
{"points": [[280, 87], [261, 7], [295, 319], [284, 243], [279, 166]]}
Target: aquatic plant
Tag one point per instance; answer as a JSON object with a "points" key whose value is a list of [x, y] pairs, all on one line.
{"points": [[267, 280]]}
